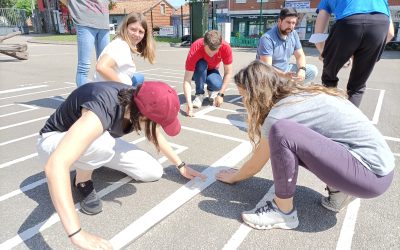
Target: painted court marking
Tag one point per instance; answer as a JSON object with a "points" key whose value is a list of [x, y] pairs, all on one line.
{"points": [[22, 89], [178, 198], [54, 218]]}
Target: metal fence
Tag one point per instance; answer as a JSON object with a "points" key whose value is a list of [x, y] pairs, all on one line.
{"points": [[12, 20]]}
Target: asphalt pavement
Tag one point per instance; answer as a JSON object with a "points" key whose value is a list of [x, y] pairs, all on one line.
{"points": [[174, 213]]}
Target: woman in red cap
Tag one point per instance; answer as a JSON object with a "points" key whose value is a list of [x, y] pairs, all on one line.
{"points": [[83, 133]]}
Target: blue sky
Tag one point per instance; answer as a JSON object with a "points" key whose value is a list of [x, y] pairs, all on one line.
{"points": [[176, 3]]}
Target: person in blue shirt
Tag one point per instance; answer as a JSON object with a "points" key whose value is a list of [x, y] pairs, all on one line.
{"points": [[280, 43], [361, 30]]}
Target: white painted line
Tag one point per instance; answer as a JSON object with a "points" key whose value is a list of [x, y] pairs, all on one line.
{"points": [[238, 237], [59, 54], [235, 99], [159, 75], [9, 163], [6, 105], [34, 93], [148, 70], [23, 189], [378, 108], [388, 138], [18, 139], [213, 134], [22, 123], [178, 198], [72, 83], [347, 231], [44, 180], [163, 80], [22, 89], [29, 108], [396, 154], [57, 99], [54, 218], [215, 119]]}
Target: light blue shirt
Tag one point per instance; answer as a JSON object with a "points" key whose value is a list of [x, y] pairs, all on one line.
{"points": [[345, 8], [272, 44], [339, 120]]}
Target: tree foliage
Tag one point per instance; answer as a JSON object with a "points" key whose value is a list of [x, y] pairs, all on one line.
{"points": [[7, 3]]}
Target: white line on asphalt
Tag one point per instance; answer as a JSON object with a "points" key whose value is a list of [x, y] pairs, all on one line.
{"points": [[60, 54], [159, 79], [148, 70], [213, 134], [23, 123], [22, 89], [349, 223], [24, 158], [167, 76], [18, 139], [238, 237], [39, 182], [396, 154], [388, 138], [54, 218], [7, 105], [178, 198], [378, 108], [29, 108], [235, 99], [23, 189], [39, 92]]}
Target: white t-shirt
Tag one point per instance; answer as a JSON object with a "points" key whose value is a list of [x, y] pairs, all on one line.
{"points": [[120, 52]]}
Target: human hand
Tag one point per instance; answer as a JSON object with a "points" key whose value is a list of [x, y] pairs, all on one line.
{"points": [[89, 241], [300, 76], [218, 101], [227, 175], [190, 173], [189, 110]]}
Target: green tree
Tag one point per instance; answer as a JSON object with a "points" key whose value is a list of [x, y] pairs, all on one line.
{"points": [[7, 3], [24, 5]]}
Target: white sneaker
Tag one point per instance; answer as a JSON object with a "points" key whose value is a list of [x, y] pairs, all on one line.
{"points": [[336, 201], [212, 95], [269, 216], [198, 101]]}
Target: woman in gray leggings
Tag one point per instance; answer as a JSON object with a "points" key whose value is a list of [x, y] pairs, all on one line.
{"points": [[312, 126]]}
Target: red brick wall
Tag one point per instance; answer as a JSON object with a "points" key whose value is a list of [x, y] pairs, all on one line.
{"points": [[158, 18]]}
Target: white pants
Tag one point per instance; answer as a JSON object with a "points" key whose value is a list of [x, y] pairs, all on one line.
{"points": [[107, 151]]}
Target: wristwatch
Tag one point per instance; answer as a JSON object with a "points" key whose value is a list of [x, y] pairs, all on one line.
{"points": [[220, 94], [303, 68]]}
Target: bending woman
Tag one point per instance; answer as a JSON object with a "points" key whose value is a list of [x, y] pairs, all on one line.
{"points": [[312, 126], [84, 133]]}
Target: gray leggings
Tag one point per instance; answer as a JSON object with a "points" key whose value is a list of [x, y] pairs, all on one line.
{"points": [[292, 144]]}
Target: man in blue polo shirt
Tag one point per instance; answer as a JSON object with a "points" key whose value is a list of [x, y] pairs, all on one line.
{"points": [[280, 43]]}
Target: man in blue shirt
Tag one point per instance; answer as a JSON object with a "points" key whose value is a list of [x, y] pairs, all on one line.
{"points": [[280, 43], [361, 30]]}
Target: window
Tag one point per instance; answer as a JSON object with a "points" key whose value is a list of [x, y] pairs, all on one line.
{"points": [[240, 1], [162, 9]]}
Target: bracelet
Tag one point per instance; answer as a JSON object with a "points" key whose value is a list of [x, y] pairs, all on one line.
{"points": [[77, 231], [181, 165]]}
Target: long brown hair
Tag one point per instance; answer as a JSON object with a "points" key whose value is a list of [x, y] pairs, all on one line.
{"points": [[264, 88], [125, 97], [146, 47]]}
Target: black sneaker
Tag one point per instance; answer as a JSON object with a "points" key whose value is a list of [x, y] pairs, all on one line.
{"points": [[91, 203]]}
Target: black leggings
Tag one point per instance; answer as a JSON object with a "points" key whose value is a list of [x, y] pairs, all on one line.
{"points": [[362, 36]]}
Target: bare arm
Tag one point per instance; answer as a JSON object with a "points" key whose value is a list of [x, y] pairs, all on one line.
{"points": [[228, 72], [166, 150], [254, 165], [106, 68], [84, 131], [187, 90], [390, 34], [301, 62], [268, 60], [320, 26]]}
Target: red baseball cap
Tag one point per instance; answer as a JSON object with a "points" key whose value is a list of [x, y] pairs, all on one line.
{"points": [[159, 102]]}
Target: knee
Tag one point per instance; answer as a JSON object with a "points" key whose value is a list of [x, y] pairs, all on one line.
{"points": [[312, 72], [201, 65], [154, 174], [279, 129]]}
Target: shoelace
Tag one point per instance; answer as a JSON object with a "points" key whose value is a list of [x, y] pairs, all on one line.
{"points": [[265, 209]]}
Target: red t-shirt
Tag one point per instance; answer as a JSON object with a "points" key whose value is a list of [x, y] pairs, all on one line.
{"points": [[198, 52]]}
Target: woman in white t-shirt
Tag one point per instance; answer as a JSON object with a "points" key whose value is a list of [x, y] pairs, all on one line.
{"points": [[116, 62]]}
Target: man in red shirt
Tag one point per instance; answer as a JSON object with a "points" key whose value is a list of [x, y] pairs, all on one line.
{"points": [[202, 65]]}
